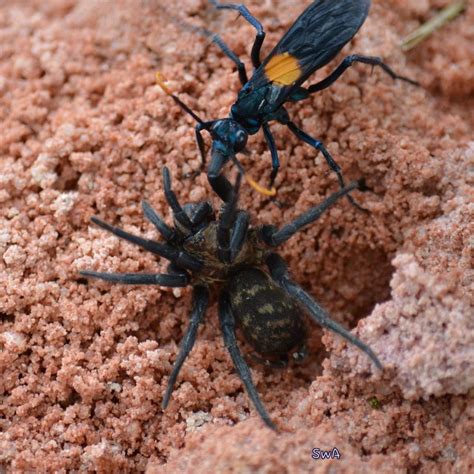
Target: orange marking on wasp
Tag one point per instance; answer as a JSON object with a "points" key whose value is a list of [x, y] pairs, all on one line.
{"points": [[283, 69]]}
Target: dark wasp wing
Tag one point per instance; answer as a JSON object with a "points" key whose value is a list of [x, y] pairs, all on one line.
{"points": [[313, 40]]}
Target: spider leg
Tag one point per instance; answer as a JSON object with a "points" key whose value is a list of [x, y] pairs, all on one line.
{"points": [[260, 36], [227, 321], [347, 62], [327, 156], [178, 212], [183, 259], [279, 272], [167, 232], [200, 300], [274, 237], [174, 281], [202, 210], [162, 250]]}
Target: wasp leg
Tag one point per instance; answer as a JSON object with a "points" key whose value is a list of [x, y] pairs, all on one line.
{"points": [[274, 237], [327, 156], [273, 151], [275, 162], [200, 300], [173, 281], [226, 222], [232, 229], [216, 39], [202, 150], [260, 36], [239, 234], [279, 272], [227, 321], [348, 62], [219, 183]]}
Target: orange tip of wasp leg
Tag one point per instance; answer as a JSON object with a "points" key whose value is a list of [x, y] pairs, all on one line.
{"points": [[260, 189], [160, 80]]}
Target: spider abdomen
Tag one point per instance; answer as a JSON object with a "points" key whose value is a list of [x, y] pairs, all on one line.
{"points": [[271, 320]]}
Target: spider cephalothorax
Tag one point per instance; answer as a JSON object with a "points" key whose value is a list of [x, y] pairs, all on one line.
{"points": [[204, 250]]}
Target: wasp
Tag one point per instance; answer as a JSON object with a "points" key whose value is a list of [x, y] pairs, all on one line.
{"points": [[314, 39]]}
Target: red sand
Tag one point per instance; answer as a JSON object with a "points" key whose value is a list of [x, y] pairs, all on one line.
{"points": [[85, 131]]}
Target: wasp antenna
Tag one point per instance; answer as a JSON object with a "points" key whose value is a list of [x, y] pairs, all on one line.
{"points": [[260, 189], [161, 81]]}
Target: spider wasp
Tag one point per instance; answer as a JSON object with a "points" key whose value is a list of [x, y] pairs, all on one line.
{"points": [[314, 39]]}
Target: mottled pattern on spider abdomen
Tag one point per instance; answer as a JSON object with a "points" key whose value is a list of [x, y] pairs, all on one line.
{"points": [[271, 321]]}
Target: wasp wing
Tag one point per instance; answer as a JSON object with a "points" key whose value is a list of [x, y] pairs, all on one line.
{"points": [[313, 40]]}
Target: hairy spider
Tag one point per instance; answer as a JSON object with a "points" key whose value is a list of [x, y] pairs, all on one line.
{"points": [[205, 250]]}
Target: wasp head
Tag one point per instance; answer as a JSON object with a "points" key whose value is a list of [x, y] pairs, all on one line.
{"points": [[230, 134]]}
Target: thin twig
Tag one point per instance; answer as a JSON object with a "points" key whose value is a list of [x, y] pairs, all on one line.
{"points": [[426, 29]]}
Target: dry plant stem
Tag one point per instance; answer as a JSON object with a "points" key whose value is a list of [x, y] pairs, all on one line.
{"points": [[426, 29]]}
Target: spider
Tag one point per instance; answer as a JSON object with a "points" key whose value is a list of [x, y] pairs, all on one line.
{"points": [[204, 250]]}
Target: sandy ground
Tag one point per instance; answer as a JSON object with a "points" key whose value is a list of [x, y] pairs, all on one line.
{"points": [[85, 131]]}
